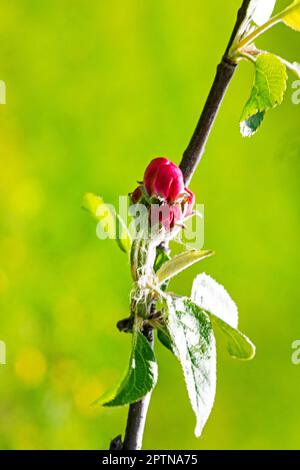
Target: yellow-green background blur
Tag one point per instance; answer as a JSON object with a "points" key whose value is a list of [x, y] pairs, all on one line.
{"points": [[95, 89]]}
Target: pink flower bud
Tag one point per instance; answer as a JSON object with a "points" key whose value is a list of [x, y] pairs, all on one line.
{"points": [[161, 216], [166, 215], [163, 179], [137, 195], [177, 214]]}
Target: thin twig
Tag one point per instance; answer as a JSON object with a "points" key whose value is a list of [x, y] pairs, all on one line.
{"points": [[225, 71], [191, 157], [196, 147]]}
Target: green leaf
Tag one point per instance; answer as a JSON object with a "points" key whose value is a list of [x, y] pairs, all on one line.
{"points": [[250, 125], [213, 298], [161, 258], [292, 66], [291, 15], [141, 376], [194, 345], [259, 11], [267, 92], [179, 263], [164, 338], [111, 223], [238, 345]]}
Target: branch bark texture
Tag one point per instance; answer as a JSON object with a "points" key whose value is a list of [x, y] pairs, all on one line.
{"points": [[225, 71]]}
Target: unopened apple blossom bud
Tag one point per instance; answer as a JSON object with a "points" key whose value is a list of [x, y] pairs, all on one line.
{"points": [[137, 195], [163, 179]]}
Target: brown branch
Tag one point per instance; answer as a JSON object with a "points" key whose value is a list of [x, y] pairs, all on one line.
{"points": [[191, 157], [196, 147], [225, 71]]}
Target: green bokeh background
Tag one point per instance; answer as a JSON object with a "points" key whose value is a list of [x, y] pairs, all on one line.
{"points": [[95, 89]]}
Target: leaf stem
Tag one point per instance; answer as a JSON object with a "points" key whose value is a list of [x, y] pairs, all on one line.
{"points": [[257, 32], [249, 57]]}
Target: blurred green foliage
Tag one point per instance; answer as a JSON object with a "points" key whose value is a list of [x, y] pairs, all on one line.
{"points": [[94, 91]]}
